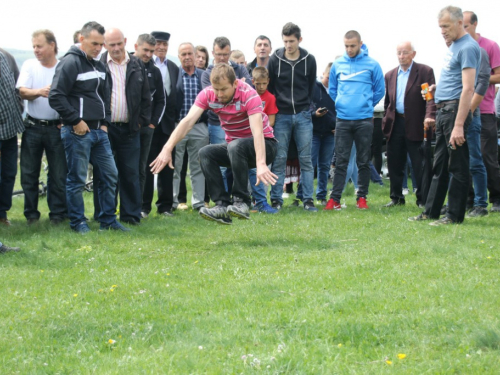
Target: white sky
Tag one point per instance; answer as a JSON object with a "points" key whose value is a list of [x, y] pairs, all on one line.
{"points": [[382, 24]]}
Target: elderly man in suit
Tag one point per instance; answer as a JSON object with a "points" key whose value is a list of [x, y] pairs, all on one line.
{"points": [[406, 114], [170, 73]]}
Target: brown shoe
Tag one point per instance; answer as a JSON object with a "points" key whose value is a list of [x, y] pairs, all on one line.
{"points": [[5, 221]]}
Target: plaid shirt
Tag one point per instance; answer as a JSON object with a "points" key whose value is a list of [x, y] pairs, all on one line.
{"points": [[11, 121], [191, 90]]}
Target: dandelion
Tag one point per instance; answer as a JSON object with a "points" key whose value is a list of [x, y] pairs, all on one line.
{"points": [[339, 345], [195, 262], [488, 257], [401, 356], [114, 286], [388, 362], [111, 341], [75, 295]]}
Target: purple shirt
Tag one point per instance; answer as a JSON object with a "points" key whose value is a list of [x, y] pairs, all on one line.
{"points": [[488, 103]]}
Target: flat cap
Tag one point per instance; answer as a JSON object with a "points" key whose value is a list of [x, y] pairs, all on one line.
{"points": [[161, 35]]}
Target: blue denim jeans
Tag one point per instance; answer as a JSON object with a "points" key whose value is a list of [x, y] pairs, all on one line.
{"points": [[477, 168], [216, 136], [36, 140], [8, 171], [300, 127], [347, 133], [259, 192], [80, 149]]}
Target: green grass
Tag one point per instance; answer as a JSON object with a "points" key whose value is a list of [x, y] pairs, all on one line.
{"points": [[294, 293]]}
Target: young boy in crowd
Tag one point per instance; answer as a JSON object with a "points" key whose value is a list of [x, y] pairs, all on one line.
{"points": [[260, 80], [238, 57]]}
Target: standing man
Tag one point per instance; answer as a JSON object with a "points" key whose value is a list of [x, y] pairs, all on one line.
{"points": [[130, 111], [250, 143], [188, 87], [489, 137], [406, 114], [78, 93], [356, 86], [11, 123], [453, 101], [262, 48], [144, 50], [292, 74], [43, 132], [170, 73]]}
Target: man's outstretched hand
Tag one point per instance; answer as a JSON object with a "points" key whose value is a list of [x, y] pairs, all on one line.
{"points": [[161, 161], [265, 176]]}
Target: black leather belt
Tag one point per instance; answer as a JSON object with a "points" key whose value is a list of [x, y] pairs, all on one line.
{"points": [[35, 121], [120, 123], [400, 115], [442, 104]]}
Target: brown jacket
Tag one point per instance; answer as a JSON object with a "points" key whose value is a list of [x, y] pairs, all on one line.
{"points": [[416, 108]]}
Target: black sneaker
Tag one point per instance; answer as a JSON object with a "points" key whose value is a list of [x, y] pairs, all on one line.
{"points": [[295, 203], [276, 205], [420, 217], [309, 206], [116, 226], [495, 207], [239, 209], [217, 213], [477, 212]]}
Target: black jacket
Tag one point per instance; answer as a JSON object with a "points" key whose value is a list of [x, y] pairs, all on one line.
{"points": [[251, 66], [167, 123], [292, 82], [180, 95], [78, 91], [324, 124], [136, 91], [158, 100]]}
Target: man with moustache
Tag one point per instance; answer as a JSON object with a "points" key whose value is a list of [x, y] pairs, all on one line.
{"points": [[42, 132], [144, 50], [78, 93], [188, 87], [170, 73], [130, 111]]}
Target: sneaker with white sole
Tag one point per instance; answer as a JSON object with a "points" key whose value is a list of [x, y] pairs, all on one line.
{"points": [[217, 213], [239, 209]]}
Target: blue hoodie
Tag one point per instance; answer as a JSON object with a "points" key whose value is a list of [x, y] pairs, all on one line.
{"points": [[356, 85]]}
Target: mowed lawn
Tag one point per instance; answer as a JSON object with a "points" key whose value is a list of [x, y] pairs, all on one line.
{"points": [[361, 292]]}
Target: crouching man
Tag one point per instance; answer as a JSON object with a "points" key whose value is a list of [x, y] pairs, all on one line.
{"points": [[250, 143]]}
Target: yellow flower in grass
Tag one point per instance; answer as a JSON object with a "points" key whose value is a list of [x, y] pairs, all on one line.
{"points": [[111, 341], [388, 362], [401, 356], [75, 295]]}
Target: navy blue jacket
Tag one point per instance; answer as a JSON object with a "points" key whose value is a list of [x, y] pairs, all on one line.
{"points": [[325, 124]]}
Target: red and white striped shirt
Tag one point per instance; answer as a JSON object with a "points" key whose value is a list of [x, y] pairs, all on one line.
{"points": [[234, 115], [119, 111]]}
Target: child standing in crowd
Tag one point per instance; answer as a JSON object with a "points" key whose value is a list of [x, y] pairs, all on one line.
{"points": [[238, 57], [260, 79]]}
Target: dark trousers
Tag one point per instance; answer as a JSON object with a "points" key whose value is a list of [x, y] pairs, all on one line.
{"points": [[239, 155], [489, 149], [126, 151], [35, 140], [165, 178], [182, 197], [449, 162], [146, 137], [377, 138], [8, 171], [397, 149]]}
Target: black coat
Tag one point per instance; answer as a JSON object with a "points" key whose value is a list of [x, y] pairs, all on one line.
{"points": [[158, 100]]}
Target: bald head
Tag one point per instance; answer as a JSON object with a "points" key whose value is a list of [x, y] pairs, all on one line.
{"points": [[406, 53], [115, 42], [470, 23]]}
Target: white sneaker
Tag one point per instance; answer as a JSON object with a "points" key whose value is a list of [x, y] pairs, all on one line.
{"points": [[285, 196], [405, 191], [182, 207], [144, 215]]}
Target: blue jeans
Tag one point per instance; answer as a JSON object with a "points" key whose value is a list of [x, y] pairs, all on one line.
{"points": [[36, 140], [405, 178], [8, 171], [216, 136], [300, 127], [347, 133], [477, 168], [259, 192], [321, 153], [80, 149]]}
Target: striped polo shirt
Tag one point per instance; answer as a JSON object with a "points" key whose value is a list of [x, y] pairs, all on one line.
{"points": [[119, 111], [234, 115]]}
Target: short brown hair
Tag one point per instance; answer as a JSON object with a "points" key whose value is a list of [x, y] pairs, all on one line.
{"points": [[205, 51], [351, 34], [49, 36], [260, 72], [221, 71], [236, 54]]}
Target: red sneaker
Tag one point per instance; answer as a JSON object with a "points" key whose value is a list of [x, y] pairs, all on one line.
{"points": [[332, 205], [361, 204]]}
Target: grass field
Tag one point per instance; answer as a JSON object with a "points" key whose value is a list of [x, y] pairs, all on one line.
{"points": [[344, 292]]}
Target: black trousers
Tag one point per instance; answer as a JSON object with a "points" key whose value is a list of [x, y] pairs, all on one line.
{"points": [[377, 139], [165, 178], [489, 149], [449, 162], [397, 149], [239, 155]]}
